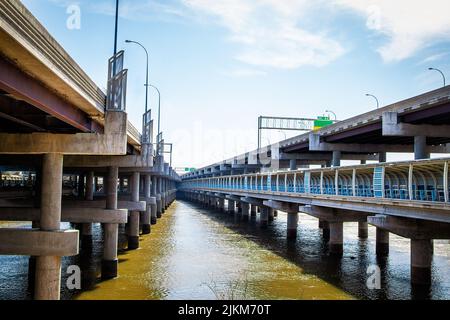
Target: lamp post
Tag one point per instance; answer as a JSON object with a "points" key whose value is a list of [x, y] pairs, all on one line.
{"points": [[376, 99], [442, 74], [285, 138], [332, 112], [116, 27], [159, 107], [146, 74]]}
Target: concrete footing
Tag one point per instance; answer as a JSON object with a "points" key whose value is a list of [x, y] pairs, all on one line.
{"points": [[133, 230]]}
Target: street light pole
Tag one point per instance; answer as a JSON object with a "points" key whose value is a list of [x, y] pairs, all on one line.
{"points": [[442, 74], [329, 111], [116, 27], [146, 74], [159, 107], [371, 95]]}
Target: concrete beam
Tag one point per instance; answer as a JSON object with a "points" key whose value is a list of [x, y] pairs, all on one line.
{"points": [[334, 215], [112, 142], [393, 127], [33, 242], [103, 161], [252, 201], [129, 205], [282, 206], [411, 228]]}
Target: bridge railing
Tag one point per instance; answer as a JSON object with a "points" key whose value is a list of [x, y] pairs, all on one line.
{"points": [[419, 180]]}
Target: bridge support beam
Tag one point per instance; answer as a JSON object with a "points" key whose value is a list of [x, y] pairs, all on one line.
{"points": [[133, 223], [110, 261], [363, 230], [421, 257], [336, 237], [382, 242], [48, 268], [292, 224]]}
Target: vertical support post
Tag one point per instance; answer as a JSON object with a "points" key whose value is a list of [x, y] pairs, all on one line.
{"points": [[421, 257], [48, 268], [231, 206], [253, 210], [382, 242], [293, 164], [336, 237], [292, 223], [145, 216], [133, 223], [420, 148], [264, 216], [245, 211], [363, 230], [336, 162], [86, 228], [110, 261]]}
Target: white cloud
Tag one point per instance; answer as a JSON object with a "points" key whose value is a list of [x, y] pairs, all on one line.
{"points": [[268, 32], [244, 72], [409, 25]]}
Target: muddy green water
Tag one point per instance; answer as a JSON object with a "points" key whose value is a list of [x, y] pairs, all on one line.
{"points": [[196, 253]]}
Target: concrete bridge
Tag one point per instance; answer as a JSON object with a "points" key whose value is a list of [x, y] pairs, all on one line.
{"points": [[54, 126], [410, 199]]}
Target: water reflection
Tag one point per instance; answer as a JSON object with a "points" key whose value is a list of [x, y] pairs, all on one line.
{"points": [[195, 253]]}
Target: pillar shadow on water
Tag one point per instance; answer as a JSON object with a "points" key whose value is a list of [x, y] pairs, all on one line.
{"points": [[310, 252]]}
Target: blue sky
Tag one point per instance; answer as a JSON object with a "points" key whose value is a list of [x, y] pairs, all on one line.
{"points": [[219, 64]]}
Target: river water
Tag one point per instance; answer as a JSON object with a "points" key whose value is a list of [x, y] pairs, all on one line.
{"points": [[197, 253]]}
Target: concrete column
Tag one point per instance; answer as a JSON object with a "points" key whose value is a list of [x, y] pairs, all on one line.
{"points": [[245, 207], [145, 215], [264, 216], [86, 228], [160, 192], [420, 148], [133, 222], [421, 257], [382, 242], [48, 268], [325, 230], [221, 204], [111, 230], [363, 161], [382, 157], [271, 214], [253, 210], [81, 185], [336, 238], [363, 230], [293, 164], [336, 162], [231, 206], [292, 223]]}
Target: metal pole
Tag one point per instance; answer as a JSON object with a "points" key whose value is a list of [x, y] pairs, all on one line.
{"points": [[371, 95], [442, 74], [116, 27], [159, 107]]}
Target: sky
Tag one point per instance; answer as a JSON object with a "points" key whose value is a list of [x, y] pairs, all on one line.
{"points": [[219, 64]]}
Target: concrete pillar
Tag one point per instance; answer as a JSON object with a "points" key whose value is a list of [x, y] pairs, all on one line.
{"points": [[363, 230], [264, 216], [293, 164], [336, 237], [382, 157], [421, 257], [363, 161], [157, 195], [292, 223], [48, 268], [81, 185], [271, 214], [253, 210], [221, 203], [245, 207], [321, 223], [111, 230], [382, 242], [231, 206], [86, 228], [133, 221], [145, 215], [325, 230], [336, 162], [420, 148]]}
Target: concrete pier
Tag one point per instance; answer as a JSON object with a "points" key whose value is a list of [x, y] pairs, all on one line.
{"points": [[133, 223], [245, 213], [363, 230], [110, 261], [421, 258], [48, 268], [382, 242], [221, 204], [145, 215], [420, 148], [292, 225], [86, 228], [264, 216], [231, 206], [271, 214], [253, 210], [336, 237]]}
